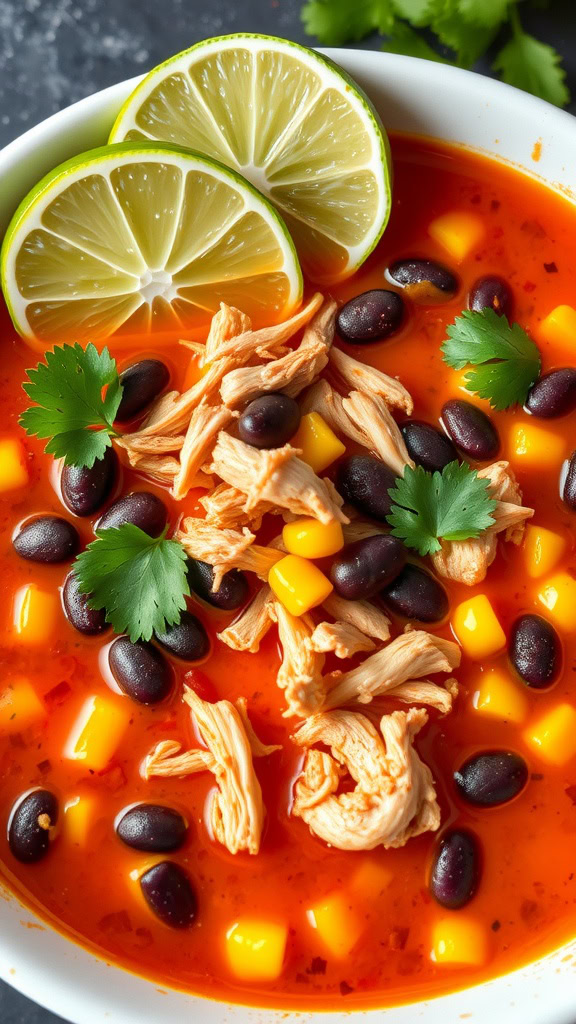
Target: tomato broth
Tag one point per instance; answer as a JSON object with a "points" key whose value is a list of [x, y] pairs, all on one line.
{"points": [[525, 903]]}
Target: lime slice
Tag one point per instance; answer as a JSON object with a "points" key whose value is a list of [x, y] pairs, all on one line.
{"points": [[292, 123], [143, 237]]}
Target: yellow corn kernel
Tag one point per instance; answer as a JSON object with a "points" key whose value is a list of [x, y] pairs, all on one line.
{"points": [[20, 706], [311, 539], [35, 614], [97, 731], [338, 924], [13, 468], [299, 584], [500, 697], [558, 595], [553, 737], [543, 549], [319, 444], [477, 629], [535, 447], [457, 232], [558, 329], [370, 879], [255, 949], [79, 815], [459, 940]]}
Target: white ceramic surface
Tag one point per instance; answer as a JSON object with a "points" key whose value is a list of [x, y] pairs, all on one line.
{"points": [[414, 96]]}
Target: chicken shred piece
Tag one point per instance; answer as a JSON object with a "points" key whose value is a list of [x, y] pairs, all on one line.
{"points": [[415, 691], [251, 626], [289, 374], [150, 444], [342, 638], [276, 476], [166, 760], [322, 398], [227, 323], [394, 798], [225, 549], [411, 655], [267, 342], [160, 468], [258, 748], [379, 428], [363, 615], [224, 507], [300, 674], [361, 377], [204, 426]]}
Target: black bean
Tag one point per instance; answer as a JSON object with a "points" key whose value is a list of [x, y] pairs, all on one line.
{"points": [[364, 482], [169, 894], [424, 280], [232, 592], [491, 292], [455, 869], [569, 487], [416, 594], [29, 832], [84, 491], [491, 778], [141, 508], [188, 640], [535, 651], [427, 445], [153, 828], [141, 384], [362, 568], [140, 670], [554, 394], [89, 621], [269, 421], [471, 429], [372, 316], [47, 539]]}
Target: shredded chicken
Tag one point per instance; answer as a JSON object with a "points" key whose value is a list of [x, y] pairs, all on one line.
{"points": [[394, 798], [361, 377], [258, 748], [205, 423], [380, 431], [322, 398], [224, 507], [411, 655], [165, 760], [149, 444], [276, 476], [225, 549], [300, 674], [416, 691], [342, 638], [251, 626], [267, 342], [364, 616]]}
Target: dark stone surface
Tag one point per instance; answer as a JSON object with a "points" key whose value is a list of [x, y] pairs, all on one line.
{"points": [[53, 52]]}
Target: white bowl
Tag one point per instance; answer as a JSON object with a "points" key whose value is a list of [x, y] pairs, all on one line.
{"points": [[412, 96]]}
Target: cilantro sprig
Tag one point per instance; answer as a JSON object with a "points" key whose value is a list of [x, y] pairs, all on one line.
{"points": [[77, 392], [506, 361], [139, 580], [428, 507], [465, 28]]}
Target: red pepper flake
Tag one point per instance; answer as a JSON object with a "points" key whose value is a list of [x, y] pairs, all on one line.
{"points": [[495, 204], [551, 268], [317, 966], [530, 910], [537, 776], [496, 925], [398, 938], [571, 793], [302, 979], [345, 988], [529, 286], [113, 778], [118, 922], [144, 938], [58, 694], [44, 767]]}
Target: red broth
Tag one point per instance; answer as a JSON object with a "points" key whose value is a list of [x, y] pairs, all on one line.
{"points": [[526, 900]]}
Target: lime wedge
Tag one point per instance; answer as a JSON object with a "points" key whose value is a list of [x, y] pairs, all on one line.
{"points": [[144, 237], [291, 122]]}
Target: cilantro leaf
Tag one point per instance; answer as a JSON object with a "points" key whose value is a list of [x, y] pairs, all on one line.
{"points": [[506, 361], [417, 12], [403, 39], [490, 13], [139, 580], [67, 389], [452, 505], [467, 41], [338, 21], [534, 66]]}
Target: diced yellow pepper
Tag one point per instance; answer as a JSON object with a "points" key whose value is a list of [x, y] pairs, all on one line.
{"points": [[476, 627], [20, 706], [558, 595], [319, 444], [458, 233], [370, 879], [310, 538], [536, 448], [79, 816], [13, 467], [558, 329], [338, 924], [35, 614], [299, 584], [543, 549], [459, 940], [97, 731], [256, 948], [500, 697], [553, 737]]}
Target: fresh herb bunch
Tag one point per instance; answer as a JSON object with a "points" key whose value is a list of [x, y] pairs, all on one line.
{"points": [[465, 27]]}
